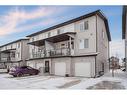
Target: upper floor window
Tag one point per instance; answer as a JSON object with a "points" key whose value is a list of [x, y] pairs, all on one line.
{"points": [[81, 27], [11, 46], [103, 34], [13, 54], [83, 43], [18, 45], [84, 26], [18, 55], [49, 34], [58, 31], [32, 38]]}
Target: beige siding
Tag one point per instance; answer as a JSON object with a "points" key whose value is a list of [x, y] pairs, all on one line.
{"points": [[87, 34], [126, 42], [102, 46]]}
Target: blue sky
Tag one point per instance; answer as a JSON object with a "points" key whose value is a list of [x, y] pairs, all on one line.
{"points": [[19, 21]]}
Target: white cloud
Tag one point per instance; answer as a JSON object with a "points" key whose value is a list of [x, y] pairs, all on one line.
{"points": [[117, 48], [16, 16]]}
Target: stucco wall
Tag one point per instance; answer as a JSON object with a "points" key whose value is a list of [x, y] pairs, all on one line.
{"points": [[70, 64], [87, 34], [102, 46]]}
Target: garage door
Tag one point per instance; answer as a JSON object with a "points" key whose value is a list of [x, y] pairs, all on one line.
{"points": [[60, 69], [82, 69]]}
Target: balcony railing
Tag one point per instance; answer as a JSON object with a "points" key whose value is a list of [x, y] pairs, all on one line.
{"points": [[52, 53], [7, 59]]}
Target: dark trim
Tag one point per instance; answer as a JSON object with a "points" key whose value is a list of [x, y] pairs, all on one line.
{"points": [[98, 12], [12, 42], [124, 21], [62, 57]]}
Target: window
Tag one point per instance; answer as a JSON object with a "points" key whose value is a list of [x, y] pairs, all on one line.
{"points": [[103, 35], [58, 31], [86, 43], [83, 43], [62, 46], [46, 35], [49, 34], [32, 39], [86, 25], [18, 54], [13, 54], [18, 45], [81, 27]]}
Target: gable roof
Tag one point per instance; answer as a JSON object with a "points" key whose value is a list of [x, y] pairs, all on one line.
{"points": [[124, 14], [98, 12], [13, 42]]}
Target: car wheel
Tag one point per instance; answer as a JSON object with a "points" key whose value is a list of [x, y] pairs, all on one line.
{"points": [[14, 76], [36, 73], [19, 74]]}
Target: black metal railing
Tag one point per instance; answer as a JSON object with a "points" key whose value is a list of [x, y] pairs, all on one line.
{"points": [[52, 53], [7, 59]]}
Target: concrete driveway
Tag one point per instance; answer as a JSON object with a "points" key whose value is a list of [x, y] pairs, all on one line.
{"points": [[37, 82], [55, 82]]}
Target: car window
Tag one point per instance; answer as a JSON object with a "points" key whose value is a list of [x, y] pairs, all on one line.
{"points": [[24, 67], [29, 67]]}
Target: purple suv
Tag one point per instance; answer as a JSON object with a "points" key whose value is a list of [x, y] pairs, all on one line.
{"points": [[24, 70]]}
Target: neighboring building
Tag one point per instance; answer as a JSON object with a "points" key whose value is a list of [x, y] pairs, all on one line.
{"points": [[78, 47], [124, 31], [14, 53]]}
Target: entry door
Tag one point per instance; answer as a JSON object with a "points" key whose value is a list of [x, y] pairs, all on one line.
{"points": [[47, 67]]}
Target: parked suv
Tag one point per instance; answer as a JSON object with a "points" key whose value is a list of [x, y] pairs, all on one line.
{"points": [[24, 70]]}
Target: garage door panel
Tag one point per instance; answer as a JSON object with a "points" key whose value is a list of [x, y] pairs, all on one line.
{"points": [[82, 69], [60, 69]]}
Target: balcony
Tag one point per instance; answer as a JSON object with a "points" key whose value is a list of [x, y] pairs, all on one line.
{"points": [[7, 59], [52, 53], [54, 39], [7, 55]]}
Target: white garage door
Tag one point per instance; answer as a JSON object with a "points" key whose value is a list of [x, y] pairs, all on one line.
{"points": [[60, 69], [82, 69]]}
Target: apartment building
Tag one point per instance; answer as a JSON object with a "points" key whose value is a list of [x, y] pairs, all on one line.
{"points": [[124, 31], [78, 47], [14, 53]]}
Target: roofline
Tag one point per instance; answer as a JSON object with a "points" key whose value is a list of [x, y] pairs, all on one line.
{"points": [[98, 12], [124, 21], [13, 42]]}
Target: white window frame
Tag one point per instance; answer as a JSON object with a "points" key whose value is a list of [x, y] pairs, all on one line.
{"points": [[84, 43], [86, 25], [103, 34]]}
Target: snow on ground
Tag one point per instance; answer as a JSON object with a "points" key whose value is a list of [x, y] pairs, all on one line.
{"points": [[34, 82], [55, 82], [119, 77]]}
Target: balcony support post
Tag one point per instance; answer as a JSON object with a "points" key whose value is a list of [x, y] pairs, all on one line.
{"points": [[70, 46]]}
